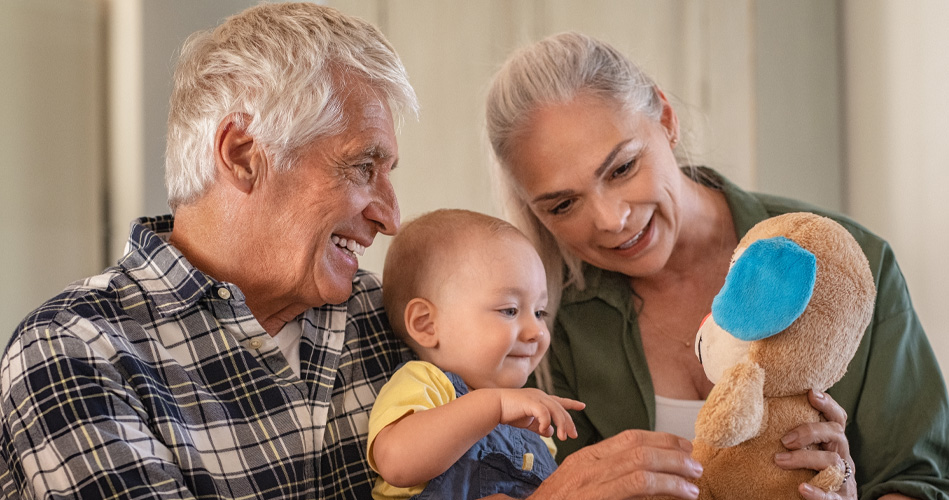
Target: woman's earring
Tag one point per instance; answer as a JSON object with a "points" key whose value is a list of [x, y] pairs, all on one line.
{"points": [[674, 141]]}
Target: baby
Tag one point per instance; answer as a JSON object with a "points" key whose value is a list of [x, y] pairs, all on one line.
{"points": [[467, 292]]}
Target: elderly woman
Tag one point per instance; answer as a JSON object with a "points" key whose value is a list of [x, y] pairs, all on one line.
{"points": [[586, 145]]}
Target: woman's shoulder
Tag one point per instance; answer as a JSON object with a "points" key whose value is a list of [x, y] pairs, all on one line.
{"points": [[871, 243], [751, 207]]}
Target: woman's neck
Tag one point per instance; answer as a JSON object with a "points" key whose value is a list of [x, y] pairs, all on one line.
{"points": [[705, 242]]}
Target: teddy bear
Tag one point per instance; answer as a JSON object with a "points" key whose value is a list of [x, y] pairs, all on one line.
{"points": [[796, 301]]}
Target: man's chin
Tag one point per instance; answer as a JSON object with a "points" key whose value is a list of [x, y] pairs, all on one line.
{"points": [[339, 293]]}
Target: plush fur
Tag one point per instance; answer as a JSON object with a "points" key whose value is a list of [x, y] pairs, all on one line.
{"points": [[761, 384]]}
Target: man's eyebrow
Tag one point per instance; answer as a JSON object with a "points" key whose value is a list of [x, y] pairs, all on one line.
{"points": [[599, 171], [376, 151]]}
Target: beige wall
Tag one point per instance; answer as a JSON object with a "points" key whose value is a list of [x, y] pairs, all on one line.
{"points": [[52, 171], [451, 50], [897, 116], [836, 102]]}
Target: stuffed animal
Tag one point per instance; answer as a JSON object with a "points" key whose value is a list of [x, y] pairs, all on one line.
{"points": [[796, 301]]}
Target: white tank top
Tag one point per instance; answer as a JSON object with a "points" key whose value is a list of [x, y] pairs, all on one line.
{"points": [[677, 416]]}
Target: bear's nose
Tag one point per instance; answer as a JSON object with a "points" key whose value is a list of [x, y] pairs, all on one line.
{"points": [[707, 316], [698, 338]]}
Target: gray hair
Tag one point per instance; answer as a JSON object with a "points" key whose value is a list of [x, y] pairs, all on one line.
{"points": [[556, 70], [285, 67]]}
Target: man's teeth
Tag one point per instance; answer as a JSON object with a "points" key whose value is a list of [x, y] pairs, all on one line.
{"points": [[350, 245]]}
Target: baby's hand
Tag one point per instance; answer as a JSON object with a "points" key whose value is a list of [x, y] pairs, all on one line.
{"points": [[537, 411]]}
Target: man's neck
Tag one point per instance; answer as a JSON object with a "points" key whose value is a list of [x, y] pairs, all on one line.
{"points": [[218, 247]]}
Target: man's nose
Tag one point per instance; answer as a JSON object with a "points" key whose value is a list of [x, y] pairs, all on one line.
{"points": [[384, 207]]}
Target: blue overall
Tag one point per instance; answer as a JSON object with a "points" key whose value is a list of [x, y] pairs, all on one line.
{"points": [[494, 464]]}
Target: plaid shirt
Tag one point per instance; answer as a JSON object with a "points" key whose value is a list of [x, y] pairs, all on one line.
{"points": [[154, 380]]}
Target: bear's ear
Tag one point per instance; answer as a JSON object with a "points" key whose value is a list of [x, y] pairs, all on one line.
{"points": [[767, 288]]}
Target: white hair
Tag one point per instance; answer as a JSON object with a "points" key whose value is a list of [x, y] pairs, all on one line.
{"points": [[551, 71], [283, 66]]}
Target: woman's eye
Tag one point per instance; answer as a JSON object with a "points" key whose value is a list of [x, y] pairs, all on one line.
{"points": [[509, 311], [561, 207], [622, 169]]}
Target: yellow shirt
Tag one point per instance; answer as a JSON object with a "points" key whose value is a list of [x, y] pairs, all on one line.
{"points": [[417, 386]]}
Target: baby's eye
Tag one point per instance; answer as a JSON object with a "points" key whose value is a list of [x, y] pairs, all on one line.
{"points": [[509, 311], [541, 314]]}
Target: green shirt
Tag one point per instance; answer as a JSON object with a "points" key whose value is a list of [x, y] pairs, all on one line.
{"points": [[893, 392]]}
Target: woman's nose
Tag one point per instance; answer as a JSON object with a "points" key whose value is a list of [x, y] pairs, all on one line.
{"points": [[610, 215]]}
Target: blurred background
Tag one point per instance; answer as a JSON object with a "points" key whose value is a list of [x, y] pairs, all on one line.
{"points": [[842, 103]]}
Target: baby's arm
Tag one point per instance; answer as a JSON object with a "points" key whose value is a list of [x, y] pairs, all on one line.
{"points": [[421, 445]]}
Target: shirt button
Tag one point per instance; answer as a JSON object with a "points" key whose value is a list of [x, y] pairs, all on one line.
{"points": [[224, 293], [255, 344]]}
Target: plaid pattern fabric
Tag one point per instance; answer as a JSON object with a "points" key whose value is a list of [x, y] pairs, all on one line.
{"points": [[153, 380]]}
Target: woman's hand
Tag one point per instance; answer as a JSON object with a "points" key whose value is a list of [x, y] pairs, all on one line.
{"points": [[632, 464], [830, 448]]}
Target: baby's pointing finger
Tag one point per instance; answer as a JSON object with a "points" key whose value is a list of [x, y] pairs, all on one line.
{"points": [[561, 419], [570, 404]]}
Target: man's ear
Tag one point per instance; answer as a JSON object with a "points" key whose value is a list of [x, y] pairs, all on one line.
{"points": [[238, 158], [420, 322]]}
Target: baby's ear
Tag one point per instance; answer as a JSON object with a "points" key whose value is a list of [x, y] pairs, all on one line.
{"points": [[420, 322]]}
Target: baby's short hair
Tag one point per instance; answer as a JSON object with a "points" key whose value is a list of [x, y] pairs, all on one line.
{"points": [[420, 247]]}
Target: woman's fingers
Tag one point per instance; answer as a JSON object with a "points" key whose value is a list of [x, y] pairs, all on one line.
{"points": [[628, 465], [638, 438], [807, 459], [654, 484], [811, 493], [819, 460], [825, 404], [635, 450], [827, 435], [818, 446]]}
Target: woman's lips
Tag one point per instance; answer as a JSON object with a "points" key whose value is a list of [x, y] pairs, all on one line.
{"points": [[636, 238]]}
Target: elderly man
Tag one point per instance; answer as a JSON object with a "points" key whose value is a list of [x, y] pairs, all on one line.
{"points": [[236, 350]]}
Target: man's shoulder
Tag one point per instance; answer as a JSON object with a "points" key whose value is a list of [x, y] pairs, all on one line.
{"points": [[367, 318], [93, 299], [80, 297], [366, 282], [366, 297]]}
